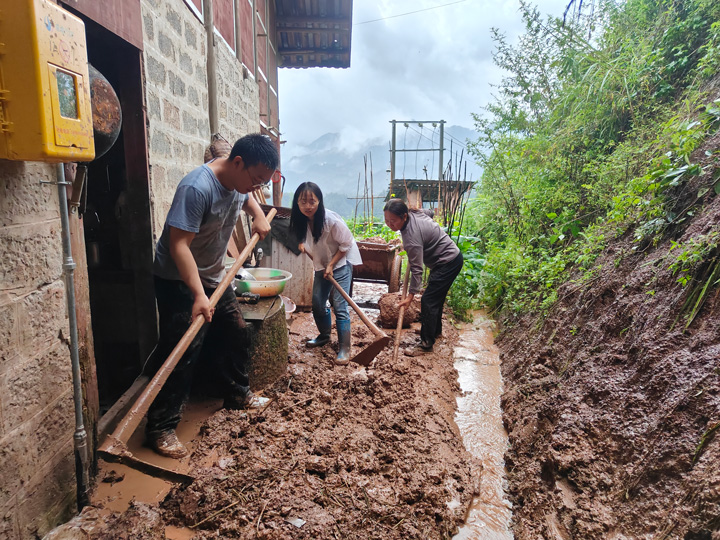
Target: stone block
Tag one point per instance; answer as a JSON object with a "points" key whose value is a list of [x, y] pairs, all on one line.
{"points": [[190, 124], [32, 256], [148, 27], [50, 499], [8, 520], [175, 174], [167, 48], [191, 36], [193, 96], [181, 150], [28, 448], [155, 71], [9, 333], [23, 199], [28, 387], [160, 144], [173, 17], [153, 104], [13, 461], [201, 74], [186, 63], [171, 114], [43, 317], [176, 84]]}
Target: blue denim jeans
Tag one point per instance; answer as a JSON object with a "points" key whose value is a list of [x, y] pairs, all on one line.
{"points": [[324, 290]]}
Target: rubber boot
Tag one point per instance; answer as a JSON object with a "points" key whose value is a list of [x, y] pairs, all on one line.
{"points": [[324, 324], [344, 342]]}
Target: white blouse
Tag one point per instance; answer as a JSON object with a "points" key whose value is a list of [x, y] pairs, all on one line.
{"points": [[335, 236]]}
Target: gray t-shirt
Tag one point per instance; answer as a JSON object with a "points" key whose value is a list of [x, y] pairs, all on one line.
{"points": [[425, 243], [203, 206]]}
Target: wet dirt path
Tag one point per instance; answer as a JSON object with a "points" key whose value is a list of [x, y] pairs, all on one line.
{"points": [[479, 418]]}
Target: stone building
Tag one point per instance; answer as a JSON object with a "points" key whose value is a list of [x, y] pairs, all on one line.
{"points": [[182, 70]]}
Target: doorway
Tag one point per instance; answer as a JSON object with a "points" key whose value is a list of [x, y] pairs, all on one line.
{"points": [[117, 227]]}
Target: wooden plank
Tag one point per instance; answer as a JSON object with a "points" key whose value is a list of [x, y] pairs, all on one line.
{"points": [[121, 17]]}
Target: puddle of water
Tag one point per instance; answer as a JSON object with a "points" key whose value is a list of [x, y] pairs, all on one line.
{"points": [[142, 487], [479, 418]]}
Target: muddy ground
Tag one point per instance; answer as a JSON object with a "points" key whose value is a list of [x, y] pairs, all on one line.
{"points": [[611, 405], [340, 452]]}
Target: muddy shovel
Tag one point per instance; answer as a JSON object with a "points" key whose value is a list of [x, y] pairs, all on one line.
{"points": [[115, 448], [368, 354]]}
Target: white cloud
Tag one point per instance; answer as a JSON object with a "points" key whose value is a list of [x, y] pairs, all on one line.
{"points": [[431, 65]]}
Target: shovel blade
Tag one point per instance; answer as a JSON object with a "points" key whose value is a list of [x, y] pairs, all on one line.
{"points": [[368, 354], [126, 458]]}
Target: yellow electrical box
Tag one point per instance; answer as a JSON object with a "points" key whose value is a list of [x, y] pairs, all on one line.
{"points": [[45, 109]]}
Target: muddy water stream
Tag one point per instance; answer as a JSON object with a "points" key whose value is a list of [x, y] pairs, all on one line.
{"points": [[479, 418]]}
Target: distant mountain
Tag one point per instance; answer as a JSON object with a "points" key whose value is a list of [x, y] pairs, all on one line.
{"points": [[341, 173]]}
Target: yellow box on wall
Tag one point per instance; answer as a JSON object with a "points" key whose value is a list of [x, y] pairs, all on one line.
{"points": [[45, 109]]}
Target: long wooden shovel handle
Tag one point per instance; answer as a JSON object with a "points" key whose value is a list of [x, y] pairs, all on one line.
{"points": [[375, 330], [134, 416], [401, 315]]}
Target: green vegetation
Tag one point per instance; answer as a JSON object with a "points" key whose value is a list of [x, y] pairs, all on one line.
{"points": [[591, 136], [371, 229]]}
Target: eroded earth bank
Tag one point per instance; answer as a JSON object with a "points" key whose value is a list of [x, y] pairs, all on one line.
{"points": [[612, 405]]}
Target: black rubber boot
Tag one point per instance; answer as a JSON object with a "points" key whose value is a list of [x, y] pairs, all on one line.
{"points": [[324, 324], [344, 341]]}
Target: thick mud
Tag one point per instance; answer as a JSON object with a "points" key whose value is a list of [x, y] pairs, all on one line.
{"points": [[339, 452], [612, 405]]}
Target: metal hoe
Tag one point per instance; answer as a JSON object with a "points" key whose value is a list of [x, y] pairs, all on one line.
{"points": [[368, 354], [115, 448]]}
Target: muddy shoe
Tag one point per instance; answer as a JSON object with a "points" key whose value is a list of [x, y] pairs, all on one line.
{"points": [[167, 444], [251, 401], [256, 402], [417, 350]]}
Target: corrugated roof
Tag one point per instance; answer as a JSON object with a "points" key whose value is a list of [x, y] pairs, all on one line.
{"points": [[313, 33]]}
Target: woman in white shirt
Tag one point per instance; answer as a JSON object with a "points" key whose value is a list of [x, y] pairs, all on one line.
{"points": [[325, 236]]}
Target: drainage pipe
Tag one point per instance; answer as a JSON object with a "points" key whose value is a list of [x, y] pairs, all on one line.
{"points": [[82, 470], [211, 66]]}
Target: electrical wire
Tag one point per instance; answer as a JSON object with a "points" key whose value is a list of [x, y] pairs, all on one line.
{"points": [[409, 13]]}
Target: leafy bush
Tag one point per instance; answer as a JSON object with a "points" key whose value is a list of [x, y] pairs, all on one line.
{"points": [[591, 134]]}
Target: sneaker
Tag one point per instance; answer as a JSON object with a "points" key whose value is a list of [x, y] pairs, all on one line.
{"points": [[417, 350], [256, 402], [250, 401], [167, 444]]}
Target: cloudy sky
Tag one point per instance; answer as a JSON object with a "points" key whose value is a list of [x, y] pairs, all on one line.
{"points": [[423, 60]]}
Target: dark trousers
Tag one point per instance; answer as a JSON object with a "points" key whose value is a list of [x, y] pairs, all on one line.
{"points": [[431, 306], [224, 345]]}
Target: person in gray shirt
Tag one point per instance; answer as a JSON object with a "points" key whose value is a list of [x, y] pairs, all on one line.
{"points": [[425, 243], [189, 266]]}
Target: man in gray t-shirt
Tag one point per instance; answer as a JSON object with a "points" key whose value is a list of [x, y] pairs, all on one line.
{"points": [[188, 267]]}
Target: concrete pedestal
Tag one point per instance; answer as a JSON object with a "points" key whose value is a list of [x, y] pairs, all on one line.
{"points": [[269, 348]]}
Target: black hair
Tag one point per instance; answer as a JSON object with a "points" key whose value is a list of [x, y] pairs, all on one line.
{"points": [[298, 221], [256, 148], [396, 206]]}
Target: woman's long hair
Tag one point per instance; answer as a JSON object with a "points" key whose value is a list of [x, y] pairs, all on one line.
{"points": [[298, 222]]}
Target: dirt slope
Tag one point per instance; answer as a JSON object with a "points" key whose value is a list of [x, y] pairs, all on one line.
{"points": [[612, 407]]}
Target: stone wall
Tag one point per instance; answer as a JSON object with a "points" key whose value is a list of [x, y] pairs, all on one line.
{"points": [[177, 97], [37, 470], [238, 105]]}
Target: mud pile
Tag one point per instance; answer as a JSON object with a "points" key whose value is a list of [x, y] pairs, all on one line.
{"points": [[612, 406], [339, 452]]}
